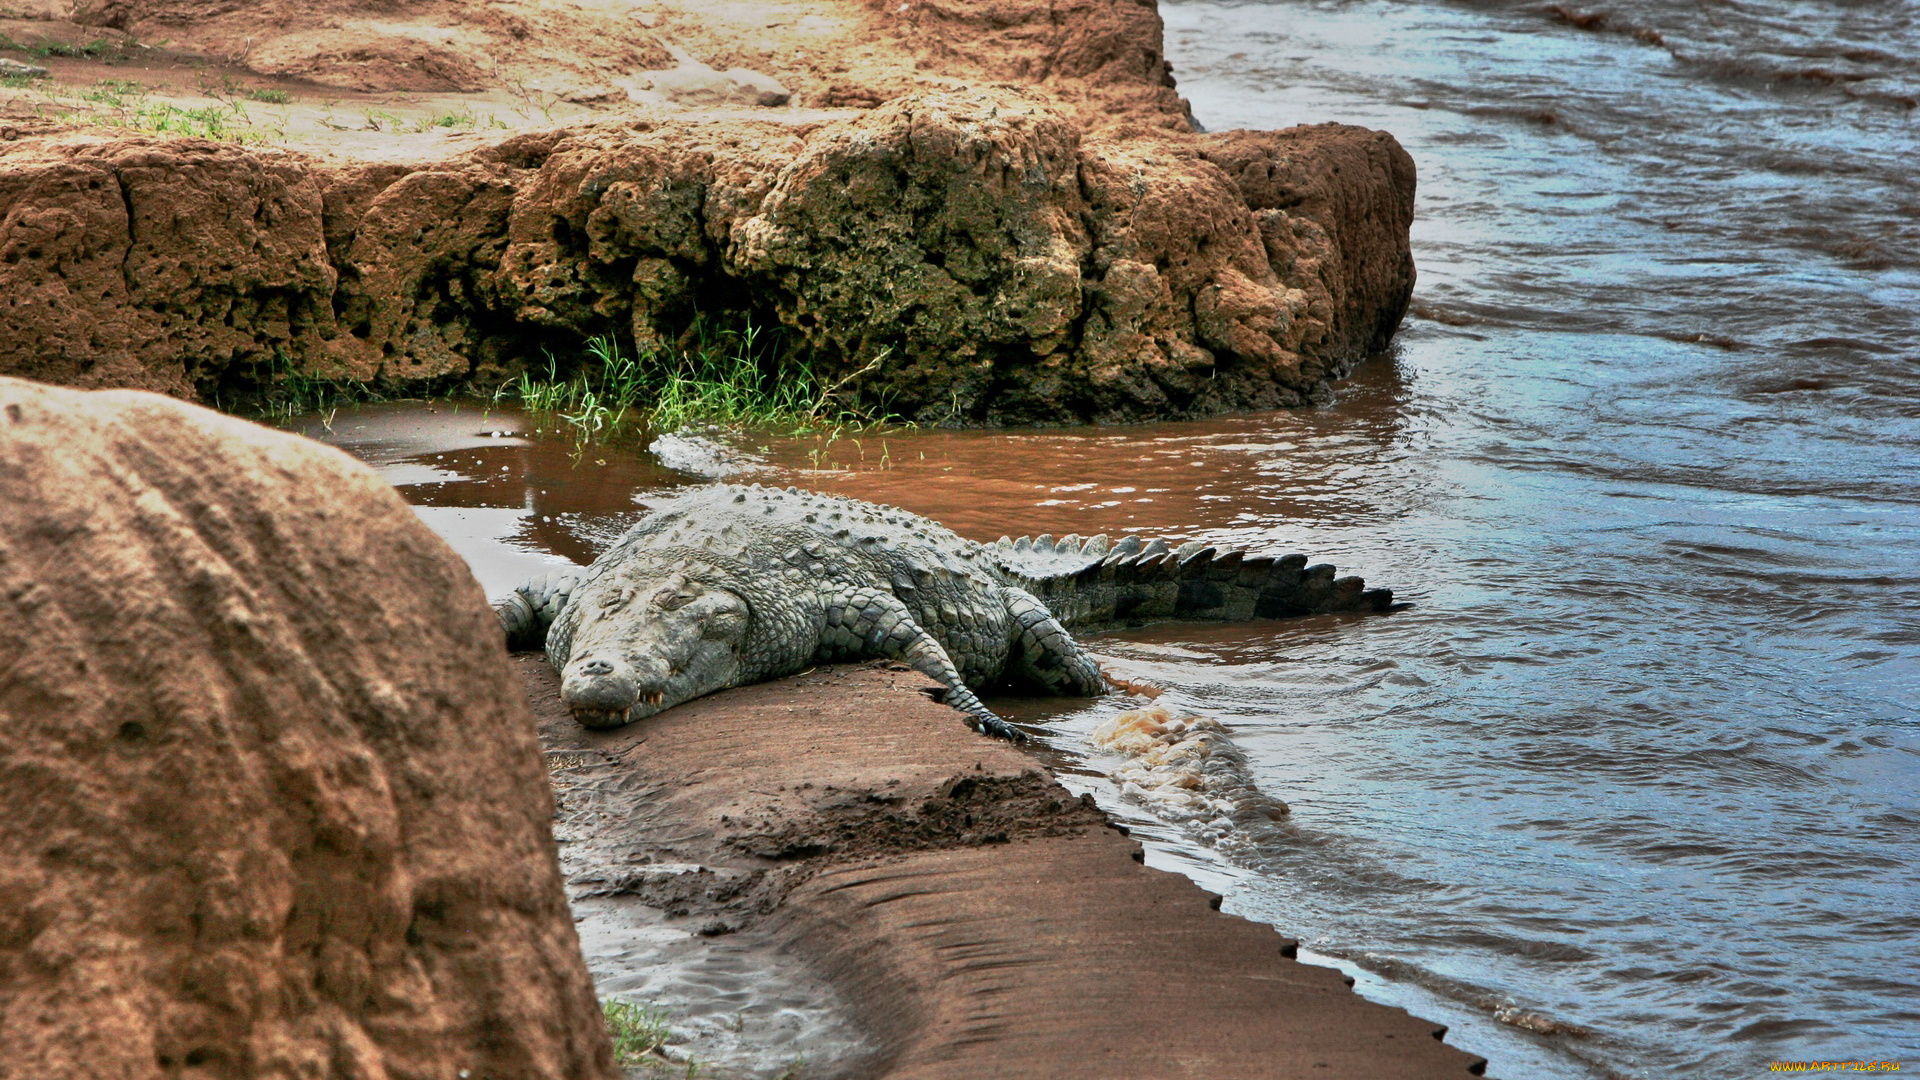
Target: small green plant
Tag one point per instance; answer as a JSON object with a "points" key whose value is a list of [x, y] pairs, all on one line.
{"points": [[113, 93], [462, 119], [224, 123], [286, 392], [530, 98], [99, 49], [270, 96], [113, 103], [636, 1030], [382, 120]]}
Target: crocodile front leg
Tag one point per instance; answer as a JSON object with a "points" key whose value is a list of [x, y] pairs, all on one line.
{"points": [[527, 611], [872, 622]]}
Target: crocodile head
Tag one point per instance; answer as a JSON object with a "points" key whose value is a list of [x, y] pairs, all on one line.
{"points": [[642, 646]]}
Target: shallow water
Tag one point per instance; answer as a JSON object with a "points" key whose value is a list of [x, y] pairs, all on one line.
{"points": [[738, 1009], [1638, 764], [1642, 759]]}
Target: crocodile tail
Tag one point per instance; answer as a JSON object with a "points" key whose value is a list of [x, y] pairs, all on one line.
{"points": [[1097, 583], [527, 611]]}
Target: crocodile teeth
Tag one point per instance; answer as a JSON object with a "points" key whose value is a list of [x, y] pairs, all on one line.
{"points": [[602, 717]]}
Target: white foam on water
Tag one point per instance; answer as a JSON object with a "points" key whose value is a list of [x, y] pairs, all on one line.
{"points": [[1186, 770]]}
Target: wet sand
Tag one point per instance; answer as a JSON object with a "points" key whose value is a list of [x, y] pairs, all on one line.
{"points": [[974, 918]]}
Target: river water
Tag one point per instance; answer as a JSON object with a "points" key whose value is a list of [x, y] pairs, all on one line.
{"points": [[1631, 787]]}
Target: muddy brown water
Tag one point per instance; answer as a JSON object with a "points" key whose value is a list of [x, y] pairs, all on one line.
{"points": [[1630, 790]]}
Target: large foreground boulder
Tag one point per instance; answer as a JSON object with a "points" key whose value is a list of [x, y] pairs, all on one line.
{"points": [[274, 807]]}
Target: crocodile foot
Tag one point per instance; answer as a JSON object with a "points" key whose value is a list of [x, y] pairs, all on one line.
{"points": [[996, 727]]}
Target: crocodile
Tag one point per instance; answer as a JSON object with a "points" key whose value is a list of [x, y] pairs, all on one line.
{"points": [[725, 585]]}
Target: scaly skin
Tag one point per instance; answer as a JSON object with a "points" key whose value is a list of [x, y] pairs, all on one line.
{"points": [[726, 585]]}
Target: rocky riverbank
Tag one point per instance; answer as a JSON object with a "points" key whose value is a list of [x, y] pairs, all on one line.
{"points": [[998, 217]]}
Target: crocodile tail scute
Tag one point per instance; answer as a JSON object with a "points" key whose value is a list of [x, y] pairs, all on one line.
{"points": [[1134, 581]]}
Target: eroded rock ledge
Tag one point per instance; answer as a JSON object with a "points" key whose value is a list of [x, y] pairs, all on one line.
{"points": [[1007, 267]]}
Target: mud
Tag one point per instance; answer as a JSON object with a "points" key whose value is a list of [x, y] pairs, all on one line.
{"points": [[974, 918]]}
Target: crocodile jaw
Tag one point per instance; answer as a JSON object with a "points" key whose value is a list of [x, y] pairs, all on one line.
{"points": [[630, 691], [608, 716]]}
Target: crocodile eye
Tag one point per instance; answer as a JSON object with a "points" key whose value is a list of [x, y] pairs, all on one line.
{"points": [[671, 598]]}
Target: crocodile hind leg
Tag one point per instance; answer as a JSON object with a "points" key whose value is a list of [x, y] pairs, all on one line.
{"points": [[871, 622], [1044, 654]]}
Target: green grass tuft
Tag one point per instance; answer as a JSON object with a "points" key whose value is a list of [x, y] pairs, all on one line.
{"points": [[99, 49], [222, 123], [114, 93], [636, 1030], [724, 377], [270, 96], [286, 392]]}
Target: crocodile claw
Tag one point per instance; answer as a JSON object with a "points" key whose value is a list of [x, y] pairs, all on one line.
{"points": [[998, 728]]}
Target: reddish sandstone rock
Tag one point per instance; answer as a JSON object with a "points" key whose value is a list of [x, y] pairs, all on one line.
{"points": [[967, 256], [941, 237], [978, 260], [1334, 204], [998, 268], [1102, 59], [155, 263], [275, 807]]}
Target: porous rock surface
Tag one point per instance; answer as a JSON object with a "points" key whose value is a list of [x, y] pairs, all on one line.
{"points": [[976, 255], [274, 805]]}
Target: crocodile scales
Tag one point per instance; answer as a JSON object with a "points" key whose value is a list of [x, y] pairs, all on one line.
{"points": [[725, 585]]}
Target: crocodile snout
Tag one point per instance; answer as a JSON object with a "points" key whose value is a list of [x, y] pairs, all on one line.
{"points": [[604, 691]]}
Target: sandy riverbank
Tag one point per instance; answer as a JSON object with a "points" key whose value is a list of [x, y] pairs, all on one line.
{"points": [[975, 918]]}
